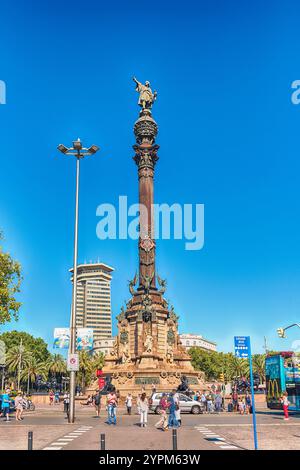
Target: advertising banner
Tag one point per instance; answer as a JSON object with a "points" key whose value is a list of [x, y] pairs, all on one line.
{"points": [[84, 341], [61, 338]]}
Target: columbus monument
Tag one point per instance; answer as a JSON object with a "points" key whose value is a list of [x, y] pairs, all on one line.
{"points": [[147, 349]]}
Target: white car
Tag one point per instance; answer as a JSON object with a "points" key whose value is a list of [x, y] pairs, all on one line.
{"points": [[186, 404]]}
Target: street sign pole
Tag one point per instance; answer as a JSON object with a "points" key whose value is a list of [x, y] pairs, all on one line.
{"points": [[252, 399], [242, 350]]}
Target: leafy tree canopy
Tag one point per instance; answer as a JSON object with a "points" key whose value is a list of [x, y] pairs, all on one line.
{"points": [[214, 363], [10, 281], [36, 346]]}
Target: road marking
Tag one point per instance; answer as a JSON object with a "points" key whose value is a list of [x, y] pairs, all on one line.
{"points": [[250, 424], [51, 448], [211, 436], [65, 440], [59, 443], [228, 447]]}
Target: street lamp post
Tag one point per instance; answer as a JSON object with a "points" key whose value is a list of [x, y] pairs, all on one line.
{"points": [[79, 152]]}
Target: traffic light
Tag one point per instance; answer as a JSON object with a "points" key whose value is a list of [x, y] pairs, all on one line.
{"points": [[222, 378], [281, 332]]}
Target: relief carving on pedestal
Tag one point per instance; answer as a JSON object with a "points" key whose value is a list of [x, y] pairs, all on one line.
{"points": [[148, 339], [170, 354]]}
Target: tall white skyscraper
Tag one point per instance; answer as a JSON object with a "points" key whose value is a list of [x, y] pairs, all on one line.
{"points": [[94, 298]]}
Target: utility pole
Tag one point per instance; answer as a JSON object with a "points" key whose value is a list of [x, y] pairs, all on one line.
{"points": [[266, 345], [20, 363]]}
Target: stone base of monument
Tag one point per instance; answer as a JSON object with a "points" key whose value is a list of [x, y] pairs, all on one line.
{"points": [[132, 378]]}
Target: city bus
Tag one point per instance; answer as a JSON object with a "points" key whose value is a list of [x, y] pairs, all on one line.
{"points": [[283, 375]]}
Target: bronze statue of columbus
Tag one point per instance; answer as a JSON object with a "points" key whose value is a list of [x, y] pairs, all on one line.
{"points": [[146, 98]]}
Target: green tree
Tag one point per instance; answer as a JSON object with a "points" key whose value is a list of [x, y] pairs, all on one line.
{"points": [[17, 359], [214, 363], [32, 369], [98, 361], [10, 281], [36, 346], [86, 368], [258, 361], [239, 367], [207, 361], [56, 364]]}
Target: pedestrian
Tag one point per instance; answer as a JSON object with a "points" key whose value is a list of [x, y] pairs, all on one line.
{"points": [[51, 397], [248, 403], [97, 403], [144, 407], [172, 418], [19, 401], [66, 400], [128, 403], [6, 404], [163, 405], [241, 406], [177, 408], [285, 404], [235, 401], [56, 397], [210, 405], [204, 402], [218, 403], [111, 408], [138, 400]]}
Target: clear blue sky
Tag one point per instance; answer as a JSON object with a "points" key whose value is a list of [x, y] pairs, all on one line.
{"points": [[229, 138]]}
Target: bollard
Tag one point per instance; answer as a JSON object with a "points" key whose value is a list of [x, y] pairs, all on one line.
{"points": [[102, 441], [30, 440], [174, 436]]}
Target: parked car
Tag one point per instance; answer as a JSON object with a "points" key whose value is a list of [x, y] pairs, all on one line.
{"points": [[187, 404]]}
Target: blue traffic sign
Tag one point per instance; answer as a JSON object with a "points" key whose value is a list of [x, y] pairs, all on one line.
{"points": [[241, 346], [242, 349]]}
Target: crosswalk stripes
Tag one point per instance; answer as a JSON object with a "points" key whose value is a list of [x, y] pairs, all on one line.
{"points": [[59, 443], [215, 438]]}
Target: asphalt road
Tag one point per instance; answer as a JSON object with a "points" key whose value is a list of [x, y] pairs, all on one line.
{"points": [[228, 431]]}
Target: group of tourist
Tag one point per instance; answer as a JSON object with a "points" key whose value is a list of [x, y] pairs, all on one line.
{"points": [[7, 402], [210, 402], [168, 402], [240, 403], [54, 397], [169, 408]]}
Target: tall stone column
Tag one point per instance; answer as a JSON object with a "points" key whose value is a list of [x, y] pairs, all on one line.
{"points": [[145, 130]]}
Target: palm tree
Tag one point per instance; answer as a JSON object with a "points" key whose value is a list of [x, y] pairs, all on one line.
{"points": [[258, 361], [98, 361], [85, 367], [32, 369], [56, 364], [239, 367], [16, 359]]}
